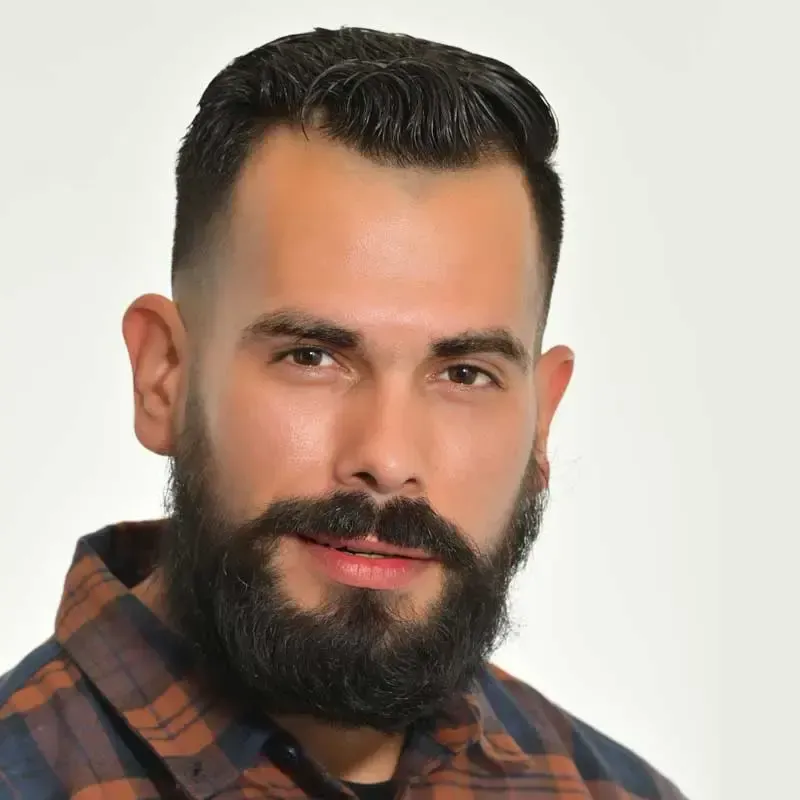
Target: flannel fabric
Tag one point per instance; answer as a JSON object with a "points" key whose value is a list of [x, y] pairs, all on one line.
{"points": [[109, 707]]}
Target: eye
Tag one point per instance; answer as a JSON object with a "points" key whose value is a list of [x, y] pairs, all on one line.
{"points": [[307, 357], [467, 375]]}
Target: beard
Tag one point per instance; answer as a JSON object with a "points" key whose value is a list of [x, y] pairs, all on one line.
{"points": [[353, 661]]}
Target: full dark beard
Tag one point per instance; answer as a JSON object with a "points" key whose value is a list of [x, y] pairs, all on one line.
{"points": [[352, 662]]}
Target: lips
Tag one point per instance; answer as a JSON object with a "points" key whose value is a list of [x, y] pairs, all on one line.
{"points": [[366, 547], [364, 563]]}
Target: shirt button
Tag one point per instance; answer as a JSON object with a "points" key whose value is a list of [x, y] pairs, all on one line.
{"points": [[290, 752]]}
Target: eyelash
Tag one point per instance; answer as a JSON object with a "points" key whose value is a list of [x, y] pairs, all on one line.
{"points": [[284, 355]]}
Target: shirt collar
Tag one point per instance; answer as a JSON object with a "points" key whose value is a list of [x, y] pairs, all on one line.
{"points": [[143, 671]]}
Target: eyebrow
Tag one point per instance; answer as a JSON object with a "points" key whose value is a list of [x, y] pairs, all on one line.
{"points": [[496, 340], [301, 326], [291, 324]]}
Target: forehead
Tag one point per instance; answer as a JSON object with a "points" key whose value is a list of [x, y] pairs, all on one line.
{"points": [[317, 227]]}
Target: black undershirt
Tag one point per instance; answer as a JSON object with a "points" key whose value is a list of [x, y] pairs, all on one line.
{"points": [[373, 791]]}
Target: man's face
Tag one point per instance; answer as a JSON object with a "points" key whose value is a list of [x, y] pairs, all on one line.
{"points": [[366, 380]]}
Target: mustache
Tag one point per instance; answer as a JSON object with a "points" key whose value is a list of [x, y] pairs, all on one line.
{"points": [[401, 522]]}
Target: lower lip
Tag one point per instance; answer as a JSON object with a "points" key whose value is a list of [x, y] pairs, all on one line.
{"points": [[362, 571]]}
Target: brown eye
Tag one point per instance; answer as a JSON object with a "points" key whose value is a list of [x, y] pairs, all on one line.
{"points": [[467, 375], [308, 357]]}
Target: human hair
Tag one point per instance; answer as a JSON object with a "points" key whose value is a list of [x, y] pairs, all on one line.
{"points": [[393, 98]]}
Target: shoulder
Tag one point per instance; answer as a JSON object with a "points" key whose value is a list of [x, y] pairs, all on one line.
{"points": [[530, 718], [28, 708]]}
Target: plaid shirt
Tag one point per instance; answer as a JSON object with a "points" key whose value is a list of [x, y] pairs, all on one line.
{"points": [[108, 709]]}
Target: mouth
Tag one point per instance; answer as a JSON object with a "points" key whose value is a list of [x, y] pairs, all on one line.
{"points": [[366, 548], [364, 563]]}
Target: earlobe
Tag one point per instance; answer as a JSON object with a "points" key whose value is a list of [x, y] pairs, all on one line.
{"points": [[154, 337]]}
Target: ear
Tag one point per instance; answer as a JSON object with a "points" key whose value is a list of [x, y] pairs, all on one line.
{"points": [[156, 340], [553, 374]]}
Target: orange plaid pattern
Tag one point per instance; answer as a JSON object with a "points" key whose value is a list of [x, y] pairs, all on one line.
{"points": [[109, 708]]}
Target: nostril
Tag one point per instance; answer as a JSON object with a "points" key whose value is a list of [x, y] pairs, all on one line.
{"points": [[369, 479]]}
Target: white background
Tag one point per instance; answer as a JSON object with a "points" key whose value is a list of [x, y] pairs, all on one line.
{"points": [[662, 603]]}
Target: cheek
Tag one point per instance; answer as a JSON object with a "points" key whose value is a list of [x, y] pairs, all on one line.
{"points": [[480, 469], [268, 445]]}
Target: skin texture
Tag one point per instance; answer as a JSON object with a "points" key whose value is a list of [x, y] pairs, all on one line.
{"points": [[400, 259]]}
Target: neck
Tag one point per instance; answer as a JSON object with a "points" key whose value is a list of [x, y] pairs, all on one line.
{"points": [[360, 756]]}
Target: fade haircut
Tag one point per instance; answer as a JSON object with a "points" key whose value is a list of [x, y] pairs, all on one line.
{"points": [[393, 98]]}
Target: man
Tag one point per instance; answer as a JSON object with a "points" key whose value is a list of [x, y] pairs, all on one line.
{"points": [[351, 389]]}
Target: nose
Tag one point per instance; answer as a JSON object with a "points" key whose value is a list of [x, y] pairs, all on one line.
{"points": [[377, 450]]}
